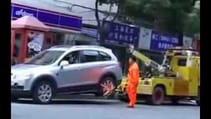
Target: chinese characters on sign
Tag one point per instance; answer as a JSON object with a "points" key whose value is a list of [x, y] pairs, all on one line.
{"points": [[160, 42], [122, 33]]}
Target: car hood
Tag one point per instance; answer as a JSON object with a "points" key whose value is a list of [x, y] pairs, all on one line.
{"points": [[21, 68]]}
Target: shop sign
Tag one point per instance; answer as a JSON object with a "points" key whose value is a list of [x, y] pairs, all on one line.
{"points": [[122, 33], [49, 18], [161, 42]]}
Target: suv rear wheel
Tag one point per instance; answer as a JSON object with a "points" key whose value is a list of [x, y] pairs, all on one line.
{"points": [[43, 92], [107, 86]]}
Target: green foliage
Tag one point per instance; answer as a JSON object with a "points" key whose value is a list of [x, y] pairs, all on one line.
{"points": [[166, 15], [169, 15], [192, 25]]}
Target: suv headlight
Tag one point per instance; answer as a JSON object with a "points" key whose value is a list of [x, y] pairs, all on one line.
{"points": [[22, 76]]}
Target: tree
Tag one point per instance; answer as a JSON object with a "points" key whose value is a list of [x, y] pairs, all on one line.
{"points": [[165, 15], [101, 29], [171, 16], [192, 25]]}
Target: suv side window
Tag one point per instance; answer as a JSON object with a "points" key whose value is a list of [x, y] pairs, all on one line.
{"points": [[103, 56], [88, 56], [72, 57]]}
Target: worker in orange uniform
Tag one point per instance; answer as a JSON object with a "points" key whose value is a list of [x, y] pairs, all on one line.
{"points": [[133, 79]]}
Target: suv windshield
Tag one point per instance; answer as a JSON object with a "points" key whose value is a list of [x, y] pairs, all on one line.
{"points": [[45, 58]]}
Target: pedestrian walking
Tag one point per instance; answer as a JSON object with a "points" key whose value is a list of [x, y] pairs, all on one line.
{"points": [[133, 80]]}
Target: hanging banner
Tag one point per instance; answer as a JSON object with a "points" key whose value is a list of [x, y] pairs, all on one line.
{"points": [[145, 38], [161, 42], [122, 33]]}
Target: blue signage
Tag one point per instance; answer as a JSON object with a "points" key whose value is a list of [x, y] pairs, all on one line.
{"points": [[160, 42], [47, 17], [122, 33], [89, 32]]}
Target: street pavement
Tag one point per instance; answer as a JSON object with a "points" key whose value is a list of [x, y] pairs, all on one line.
{"points": [[101, 109]]}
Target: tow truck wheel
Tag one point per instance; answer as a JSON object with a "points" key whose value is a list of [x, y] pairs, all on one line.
{"points": [[157, 96], [174, 100], [198, 98]]}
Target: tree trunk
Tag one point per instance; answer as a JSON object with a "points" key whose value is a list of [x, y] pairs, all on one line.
{"points": [[98, 21]]}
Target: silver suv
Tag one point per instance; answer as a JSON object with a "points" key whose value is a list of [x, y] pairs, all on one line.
{"points": [[66, 70]]}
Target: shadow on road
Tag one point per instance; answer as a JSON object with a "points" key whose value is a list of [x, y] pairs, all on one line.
{"points": [[99, 102], [75, 102], [170, 104]]}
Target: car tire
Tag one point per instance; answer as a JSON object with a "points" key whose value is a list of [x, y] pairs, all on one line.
{"points": [[43, 92], [109, 82], [157, 97]]}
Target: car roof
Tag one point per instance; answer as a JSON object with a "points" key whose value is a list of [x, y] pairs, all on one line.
{"points": [[79, 47]]}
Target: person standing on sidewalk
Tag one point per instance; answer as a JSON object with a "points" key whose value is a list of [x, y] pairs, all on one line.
{"points": [[133, 80]]}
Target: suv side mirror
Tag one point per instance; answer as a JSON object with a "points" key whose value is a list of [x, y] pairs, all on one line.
{"points": [[64, 63]]}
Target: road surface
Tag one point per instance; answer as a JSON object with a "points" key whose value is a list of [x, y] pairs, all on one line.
{"points": [[101, 109]]}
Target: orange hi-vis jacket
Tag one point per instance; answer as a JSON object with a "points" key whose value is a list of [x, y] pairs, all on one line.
{"points": [[133, 79], [133, 74]]}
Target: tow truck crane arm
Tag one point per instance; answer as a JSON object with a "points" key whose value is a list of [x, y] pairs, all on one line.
{"points": [[145, 59]]}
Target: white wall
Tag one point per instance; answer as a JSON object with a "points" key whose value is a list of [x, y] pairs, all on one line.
{"points": [[187, 41], [88, 17], [145, 38]]}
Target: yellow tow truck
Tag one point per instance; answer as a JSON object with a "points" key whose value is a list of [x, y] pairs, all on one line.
{"points": [[177, 78]]}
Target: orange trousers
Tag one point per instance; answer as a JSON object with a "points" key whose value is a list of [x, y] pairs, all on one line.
{"points": [[132, 92]]}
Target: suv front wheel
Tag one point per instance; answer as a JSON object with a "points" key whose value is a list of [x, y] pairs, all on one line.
{"points": [[43, 92]]}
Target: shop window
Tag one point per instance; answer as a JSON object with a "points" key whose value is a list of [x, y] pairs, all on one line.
{"points": [[48, 43], [59, 39]]}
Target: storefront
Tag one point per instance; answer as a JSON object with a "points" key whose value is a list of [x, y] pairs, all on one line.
{"points": [[153, 44], [63, 28]]}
